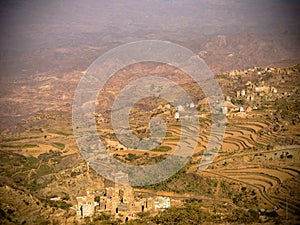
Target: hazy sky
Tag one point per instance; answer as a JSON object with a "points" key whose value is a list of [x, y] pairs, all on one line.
{"points": [[34, 23]]}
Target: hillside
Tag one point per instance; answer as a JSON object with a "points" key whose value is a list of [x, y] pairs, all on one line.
{"points": [[255, 174]]}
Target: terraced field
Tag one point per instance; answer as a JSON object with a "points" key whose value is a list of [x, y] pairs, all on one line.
{"points": [[270, 181], [251, 156], [248, 157], [35, 138]]}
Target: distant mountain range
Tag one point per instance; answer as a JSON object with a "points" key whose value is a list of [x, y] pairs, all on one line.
{"points": [[63, 36]]}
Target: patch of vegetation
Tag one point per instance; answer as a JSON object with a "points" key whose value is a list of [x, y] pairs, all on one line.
{"points": [[18, 139], [65, 196], [132, 157], [243, 216], [62, 133], [58, 145], [245, 198], [102, 216], [172, 138], [43, 170], [269, 76], [162, 149], [288, 108], [31, 163], [183, 182], [26, 172], [192, 213], [19, 146], [54, 156], [103, 219], [144, 159], [56, 204], [238, 101]]}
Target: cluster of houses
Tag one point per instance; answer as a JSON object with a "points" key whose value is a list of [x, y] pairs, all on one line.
{"points": [[118, 200], [254, 91], [252, 97], [260, 71]]}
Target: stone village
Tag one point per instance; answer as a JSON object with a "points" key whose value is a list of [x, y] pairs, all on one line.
{"points": [[118, 200]]}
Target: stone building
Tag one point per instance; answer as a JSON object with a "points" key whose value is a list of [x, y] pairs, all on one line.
{"points": [[85, 205]]}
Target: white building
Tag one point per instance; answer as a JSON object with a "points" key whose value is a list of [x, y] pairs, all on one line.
{"points": [[162, 202], [177, 116], [243, 93]]}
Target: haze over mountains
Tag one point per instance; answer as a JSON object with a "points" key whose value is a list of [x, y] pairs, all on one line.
{"points": [[63, 36]]}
